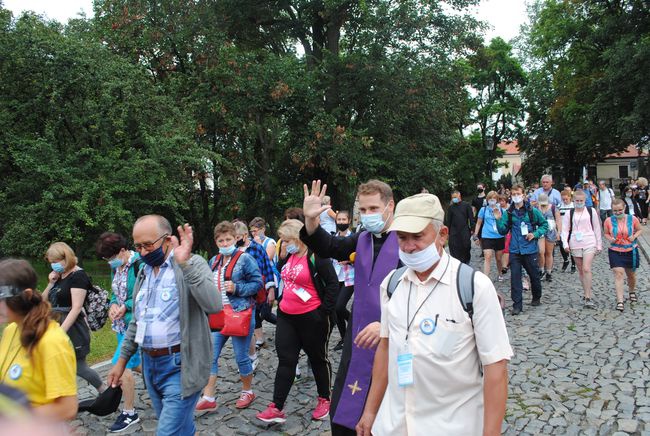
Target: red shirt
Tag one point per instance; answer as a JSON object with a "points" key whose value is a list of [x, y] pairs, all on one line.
{"points": [[296, 278]]}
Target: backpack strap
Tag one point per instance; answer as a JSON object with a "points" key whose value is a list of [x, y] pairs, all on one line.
{"points": [[216, 262], [394, 280], [465, 288], [231, 264], [614, 227], [571, 213]]}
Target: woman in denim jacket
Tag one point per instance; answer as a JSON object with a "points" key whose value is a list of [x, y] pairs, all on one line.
{"points": [[239, 293]]}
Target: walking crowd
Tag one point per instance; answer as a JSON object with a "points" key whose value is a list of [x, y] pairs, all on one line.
{"points": [[424, 347]]}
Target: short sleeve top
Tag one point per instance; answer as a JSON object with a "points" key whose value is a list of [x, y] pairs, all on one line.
{"points": [[59, 295]]}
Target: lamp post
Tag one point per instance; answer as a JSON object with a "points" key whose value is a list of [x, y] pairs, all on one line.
{"points": [[489, 146]]}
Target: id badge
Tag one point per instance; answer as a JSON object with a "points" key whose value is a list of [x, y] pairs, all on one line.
{"points": [[405, 367], [551, 224], [494, 227], [578, 236], [524, 229], [140, 331], [302, 294]]}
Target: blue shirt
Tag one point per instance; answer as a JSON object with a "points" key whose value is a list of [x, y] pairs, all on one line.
{"points": [[263, 262], [489, 230], [518, 242], [157, 307], [554, 196]]}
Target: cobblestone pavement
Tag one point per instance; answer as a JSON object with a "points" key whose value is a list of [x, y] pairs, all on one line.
{"points": [[575, 370]]}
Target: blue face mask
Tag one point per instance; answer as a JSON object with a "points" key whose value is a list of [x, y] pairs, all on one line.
{"points": [[58, 267], [292, 248], [455, 200], [154, 258], [374, 222], [228, 251], [115, 263]]}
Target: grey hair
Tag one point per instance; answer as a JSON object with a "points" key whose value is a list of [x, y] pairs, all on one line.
{"points": [[546, 177], [437, 224]]}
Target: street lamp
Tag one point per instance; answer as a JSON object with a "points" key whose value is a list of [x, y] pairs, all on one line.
{"points": [[489, 146]]}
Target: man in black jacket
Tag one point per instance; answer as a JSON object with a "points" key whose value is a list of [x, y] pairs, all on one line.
{"points": [[460, 221], [374, 253]]}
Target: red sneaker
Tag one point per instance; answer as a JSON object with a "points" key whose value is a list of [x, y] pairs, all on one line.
{"points": [[206, 406], [322, 409], [245, 400], [272, 414]]}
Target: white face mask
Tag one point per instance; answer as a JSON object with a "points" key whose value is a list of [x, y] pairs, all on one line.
{"points": [[517, 199], [422, 260]]}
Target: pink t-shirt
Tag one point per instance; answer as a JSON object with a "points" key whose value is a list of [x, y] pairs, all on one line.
{"points": [[589, 234], [296, 278]]}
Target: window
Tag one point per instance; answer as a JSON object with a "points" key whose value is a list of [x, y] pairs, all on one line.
{"points": [[622, 171]]}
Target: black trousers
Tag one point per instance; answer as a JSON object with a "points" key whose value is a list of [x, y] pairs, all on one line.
{"points": [[566, 255], [308, 331], [342, 312], [263, 313]]}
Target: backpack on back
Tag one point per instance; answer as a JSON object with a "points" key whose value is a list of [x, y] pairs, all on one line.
{"points": [[96, 307]]}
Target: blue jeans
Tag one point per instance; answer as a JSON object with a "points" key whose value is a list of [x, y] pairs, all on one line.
{"points": [[240, 345], [529, 263], [163, 378]]}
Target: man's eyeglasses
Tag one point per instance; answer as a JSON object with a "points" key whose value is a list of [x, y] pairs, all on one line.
{"points": [[148, 245]]}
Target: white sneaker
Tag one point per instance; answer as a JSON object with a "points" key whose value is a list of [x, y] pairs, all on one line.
{"points": [[255, 362]]}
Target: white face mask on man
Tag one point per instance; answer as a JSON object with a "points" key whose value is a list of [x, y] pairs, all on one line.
{"points": [[422, 260]]}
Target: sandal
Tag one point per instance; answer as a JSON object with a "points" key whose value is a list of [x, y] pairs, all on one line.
{"points": [[620, 306], [633, 298]]}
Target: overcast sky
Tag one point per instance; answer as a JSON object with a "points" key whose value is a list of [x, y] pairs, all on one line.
{"points": [[504, 16]]}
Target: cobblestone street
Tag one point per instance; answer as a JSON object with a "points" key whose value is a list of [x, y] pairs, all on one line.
{"points": [[575, 370]]}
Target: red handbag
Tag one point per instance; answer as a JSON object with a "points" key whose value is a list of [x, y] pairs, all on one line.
{"points": [[229, 322], [236, 323]]}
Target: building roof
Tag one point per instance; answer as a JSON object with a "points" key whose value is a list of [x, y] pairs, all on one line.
{"points": [[630, 152], [510, 147]]}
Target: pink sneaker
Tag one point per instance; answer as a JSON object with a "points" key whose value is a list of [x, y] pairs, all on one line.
{"points": [[322, 409], [272, 414], [206, 406], [245, 400]]}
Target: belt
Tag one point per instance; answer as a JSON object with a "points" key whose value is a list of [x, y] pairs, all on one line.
{"points": [[157, 352]]}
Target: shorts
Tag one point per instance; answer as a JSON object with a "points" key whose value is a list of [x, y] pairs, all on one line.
{"points": [[496, 244], [580, 252], [624, 259], [133, 362]]}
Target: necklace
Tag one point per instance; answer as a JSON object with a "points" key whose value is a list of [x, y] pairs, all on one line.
{"points": [[4, 375]]}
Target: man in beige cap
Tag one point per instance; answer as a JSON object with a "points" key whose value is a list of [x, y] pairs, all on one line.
{"points": [[440, 367]]}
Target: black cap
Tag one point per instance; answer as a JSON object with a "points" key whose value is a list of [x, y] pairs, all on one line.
{"points": [[106, 403]]}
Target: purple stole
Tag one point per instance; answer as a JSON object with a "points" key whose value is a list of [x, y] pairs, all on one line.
{"points": [[366, 309]]}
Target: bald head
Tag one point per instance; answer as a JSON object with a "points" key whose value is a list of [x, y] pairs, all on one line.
{"points": [[158, 221]]}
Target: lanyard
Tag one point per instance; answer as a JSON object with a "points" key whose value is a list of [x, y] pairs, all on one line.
{"points": [[408, 303]]}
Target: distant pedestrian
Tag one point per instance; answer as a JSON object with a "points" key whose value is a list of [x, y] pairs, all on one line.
{"points": [[526, 225], [622, 231], [581, 234], [487, 235], [605, 198], [460, 221], [566, 207], [547, 243], [547, 188], [632, 206]]}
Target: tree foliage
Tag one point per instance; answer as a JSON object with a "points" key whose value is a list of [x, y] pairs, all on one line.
{"points": [[588, 94]]}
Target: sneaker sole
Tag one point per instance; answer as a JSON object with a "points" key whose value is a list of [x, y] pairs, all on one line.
{"points": [[245, 406], [320, 418], [273, 420], [122, 429]]}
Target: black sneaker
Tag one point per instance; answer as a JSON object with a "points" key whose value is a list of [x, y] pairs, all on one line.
{"points": [[535, 302], [123, 422], [338, 346], [573, 269], [548, 277], [542, 274], [504, 271], [515, 311], [565, 265]]}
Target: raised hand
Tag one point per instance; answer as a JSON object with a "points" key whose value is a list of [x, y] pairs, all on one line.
{"points": [[312, 205], [183, 249]]}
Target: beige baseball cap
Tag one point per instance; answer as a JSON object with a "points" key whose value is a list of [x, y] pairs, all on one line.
{"points": [[414, 213]]}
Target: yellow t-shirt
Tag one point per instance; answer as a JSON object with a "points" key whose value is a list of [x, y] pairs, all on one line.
{"points": [[50, 373]]}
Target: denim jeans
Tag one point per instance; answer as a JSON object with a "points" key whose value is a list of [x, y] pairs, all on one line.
{"points": [[529, 263], [163, 378], [240, 345], [604, 214]]}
